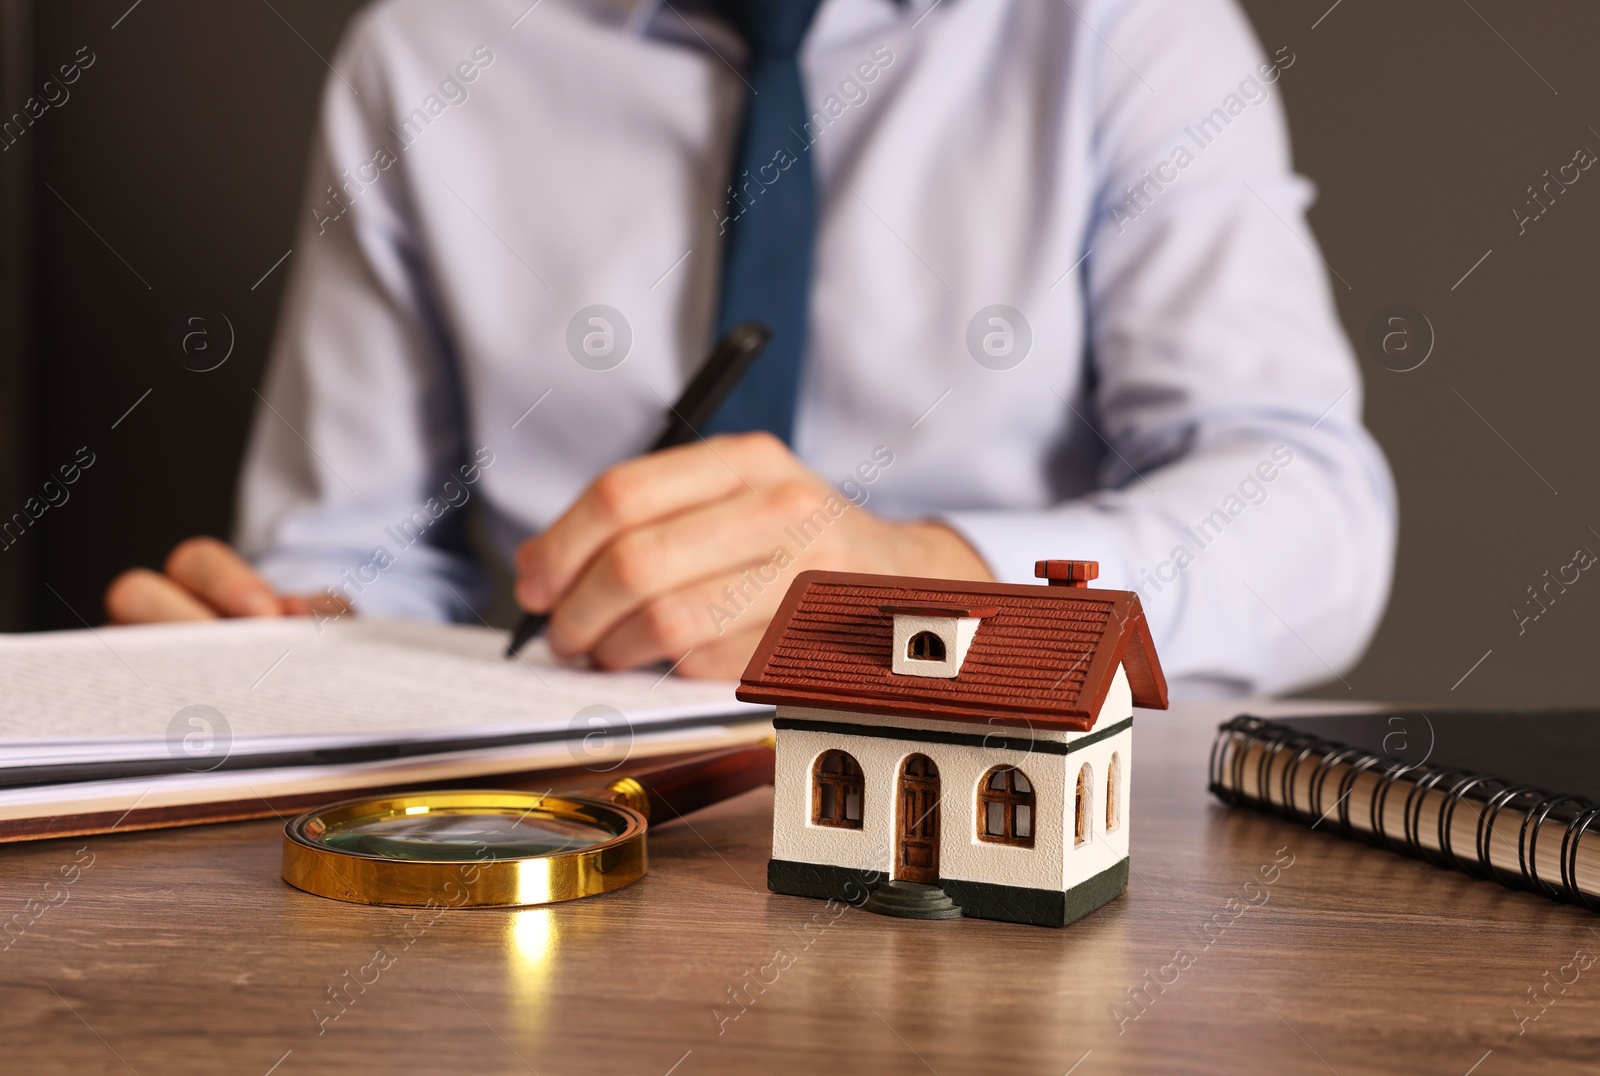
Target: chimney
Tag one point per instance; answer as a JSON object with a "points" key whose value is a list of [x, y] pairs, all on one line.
{"points": [[1067, 573]]}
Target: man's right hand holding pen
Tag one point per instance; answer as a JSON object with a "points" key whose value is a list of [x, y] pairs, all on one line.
{"points": [[633, 572]]}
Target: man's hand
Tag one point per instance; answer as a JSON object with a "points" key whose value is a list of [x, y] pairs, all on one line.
{"points": [[203, 579], [684, 555]]}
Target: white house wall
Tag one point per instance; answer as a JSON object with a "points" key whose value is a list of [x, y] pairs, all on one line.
{"points": [[1052, 863], [1102, 849]]}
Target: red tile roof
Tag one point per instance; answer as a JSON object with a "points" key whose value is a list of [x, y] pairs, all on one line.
{"points": [[1045, 658]]}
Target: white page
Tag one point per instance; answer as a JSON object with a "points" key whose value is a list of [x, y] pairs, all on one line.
{"points": [[114, 692], [124, 796]]}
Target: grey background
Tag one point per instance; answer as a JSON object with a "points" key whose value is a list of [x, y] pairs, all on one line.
{"points": [[184, 147]]}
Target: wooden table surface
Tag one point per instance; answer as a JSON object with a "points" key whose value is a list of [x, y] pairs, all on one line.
{"points": [[182, 951]]}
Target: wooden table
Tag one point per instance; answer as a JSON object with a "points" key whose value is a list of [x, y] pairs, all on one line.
{"points": [[182, 951]]}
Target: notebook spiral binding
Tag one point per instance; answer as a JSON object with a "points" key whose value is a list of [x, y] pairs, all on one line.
{"points": [[1575, 814]]}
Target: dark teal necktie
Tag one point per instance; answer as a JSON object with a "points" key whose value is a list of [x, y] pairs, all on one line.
{"points": [[771, 216]]}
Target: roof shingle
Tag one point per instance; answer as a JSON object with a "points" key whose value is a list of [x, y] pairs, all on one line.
{"points": [[1046, 657]]}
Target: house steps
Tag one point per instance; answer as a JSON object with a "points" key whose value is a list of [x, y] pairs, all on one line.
{"points": [[911, 900]]}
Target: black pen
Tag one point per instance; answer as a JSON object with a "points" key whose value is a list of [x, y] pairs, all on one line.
{"points": [[734, 354]]}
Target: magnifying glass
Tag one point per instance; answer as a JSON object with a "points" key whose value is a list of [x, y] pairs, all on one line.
{"points": [[503, 848]]}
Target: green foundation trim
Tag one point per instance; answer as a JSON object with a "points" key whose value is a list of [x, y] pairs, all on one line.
{"points": [[978, 900]]}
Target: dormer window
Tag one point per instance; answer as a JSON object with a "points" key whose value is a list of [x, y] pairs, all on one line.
{"points": [[931, 639], [925, 646]]}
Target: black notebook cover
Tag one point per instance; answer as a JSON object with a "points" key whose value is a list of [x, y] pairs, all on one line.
{"points": [[1462, 783], [1558, 750]]}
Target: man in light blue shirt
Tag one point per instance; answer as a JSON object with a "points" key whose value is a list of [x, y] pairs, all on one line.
{"points": [[1064, 303]]}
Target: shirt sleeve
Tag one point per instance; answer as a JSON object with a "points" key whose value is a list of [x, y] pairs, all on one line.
{"points": [[1241, 496], [358, 473]]}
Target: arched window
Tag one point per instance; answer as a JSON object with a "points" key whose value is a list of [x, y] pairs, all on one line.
{"points": [[925, 646], [1082, 820], [1005, 807], [836, 786], [1113, 793]]}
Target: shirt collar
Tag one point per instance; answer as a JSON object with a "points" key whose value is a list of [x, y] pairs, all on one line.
{"points": [[637, 14]]}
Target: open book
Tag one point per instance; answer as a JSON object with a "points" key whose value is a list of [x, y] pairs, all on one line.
{"points": [[163, 724]]}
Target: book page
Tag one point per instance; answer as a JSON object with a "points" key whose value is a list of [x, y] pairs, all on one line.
{"points": [[118, 692], [258, 789]]}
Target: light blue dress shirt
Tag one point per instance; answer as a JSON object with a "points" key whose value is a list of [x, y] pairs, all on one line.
{"points": [[1064, 284]]}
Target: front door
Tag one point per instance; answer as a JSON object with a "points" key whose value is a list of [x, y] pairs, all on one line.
{"points": [[917, 846]]}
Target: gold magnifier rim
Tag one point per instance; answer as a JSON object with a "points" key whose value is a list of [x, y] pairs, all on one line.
{"points": [[484, 882]]}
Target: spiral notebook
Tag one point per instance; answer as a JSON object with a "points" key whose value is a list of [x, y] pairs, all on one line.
{"points": [[1510, 796]]}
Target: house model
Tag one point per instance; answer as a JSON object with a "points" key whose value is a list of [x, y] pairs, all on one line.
{"points": [[951, 745]]}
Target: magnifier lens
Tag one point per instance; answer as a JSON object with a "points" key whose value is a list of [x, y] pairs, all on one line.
{"points": [[449, 835], [465, 848]]}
